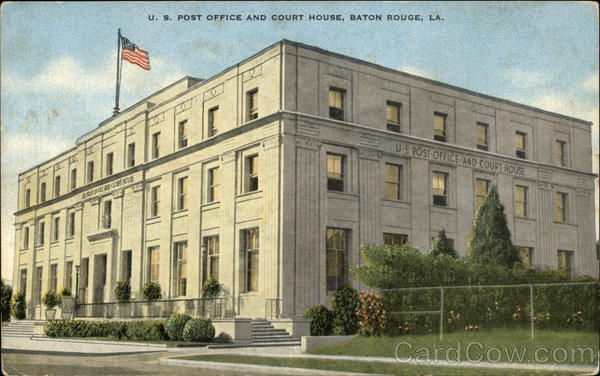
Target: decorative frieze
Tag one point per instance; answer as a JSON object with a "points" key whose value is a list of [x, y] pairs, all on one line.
{"points": [[307, 143], [95, 201], [156, 119], [118, 193], [101, 235], [137, 187], [369, 154], [545, 185], [228, 157], [213, 92], [271, 142], [77, 206], [184, 106], [252, 73]]}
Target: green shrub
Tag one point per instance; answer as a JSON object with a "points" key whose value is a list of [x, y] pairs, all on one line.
{"points": [[19, 306], [152, 291], [50, 299], [138, 330], [147, 330], [198, 330], [123, 291], [6, 296], [321, 323], [441, 245], [345, 302], [175, 324], [211, 287]]}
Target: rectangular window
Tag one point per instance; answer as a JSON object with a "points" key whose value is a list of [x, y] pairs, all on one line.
{"points": [[154, 264], [74, 178], [252, 103], [131, 154], [252, 173], [83, 280], [23, 281], [180, 268], [182, 134], [520, 144], [155, 201], [439, 126], [336, 248], [90, 171], [213, 184], [25, 237], [336, 104], [526, 255], [56, 186], [71, 231], [69, 275], [27, 197], [126, 266], [43, 192], [559, 153], [37, 285], [107, 214], [393, 182], [482, 187], [482, 136], [438, 188], [55, 229], [53, 279], [211, 244], [156, 145], [250, 250], [182, 193], [394, 239], [213, 121], [335, 172], [41, 233], [521, 201], [560, 207], [393, 116], [109, 164], [565, 261]]}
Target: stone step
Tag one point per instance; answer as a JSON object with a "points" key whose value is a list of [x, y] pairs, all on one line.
{"points": [[20, 335], [275, 340], [260, 331], [234, 346], [267, 336]]}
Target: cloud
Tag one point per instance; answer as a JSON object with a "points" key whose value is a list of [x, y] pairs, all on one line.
{"points": [[591, 83], [416, 71], [526, 79]]}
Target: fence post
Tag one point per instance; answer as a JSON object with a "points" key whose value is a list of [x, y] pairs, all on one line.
{"points": [[531, 309], [441, 313]]}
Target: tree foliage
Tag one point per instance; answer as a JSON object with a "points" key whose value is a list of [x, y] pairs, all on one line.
{"points": [[442, 246]]}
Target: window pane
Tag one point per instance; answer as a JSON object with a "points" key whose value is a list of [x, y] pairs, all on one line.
{"points": [[482, 135], [393, 113]]}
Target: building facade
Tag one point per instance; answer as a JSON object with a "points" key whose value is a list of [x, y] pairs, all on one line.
{"points": [[269, 175]]}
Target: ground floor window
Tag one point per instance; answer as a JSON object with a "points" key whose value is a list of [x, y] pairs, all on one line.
{"points": [[126, 266], [153, 264], [37, 286], [69, 275], [336, 250], [394, 239], [23, 281], [53, 280], [211, 244], [565, 261], [250, 247], [526, 254], [180, 266]]}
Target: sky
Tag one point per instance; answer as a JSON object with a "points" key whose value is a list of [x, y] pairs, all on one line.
{"points": [[58, 60]]}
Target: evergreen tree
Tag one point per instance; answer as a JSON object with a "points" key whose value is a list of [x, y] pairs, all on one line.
{"points": [[441, 245], [489, 242]]}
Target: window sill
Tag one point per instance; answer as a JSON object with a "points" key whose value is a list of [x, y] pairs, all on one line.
{"points": [[180, 211], [249, 294], [565, 223], [24, 249], [342, 193], [54, 242], [244, 195], [209, 205], [442, 207], [391, 200], [525, 218]]}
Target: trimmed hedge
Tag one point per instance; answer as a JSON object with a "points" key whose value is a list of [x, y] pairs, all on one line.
{"points": [[139, 330], [19, 306], [345, 302], [198, 330], [123, 291], [6, 296], [175, 324], [321, 323]]}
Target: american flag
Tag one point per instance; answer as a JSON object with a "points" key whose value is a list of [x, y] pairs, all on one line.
{"points": [[132, 53]]}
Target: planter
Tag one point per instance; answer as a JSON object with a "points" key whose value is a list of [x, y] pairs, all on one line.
{"points": [[67, 307], [50, 314]]}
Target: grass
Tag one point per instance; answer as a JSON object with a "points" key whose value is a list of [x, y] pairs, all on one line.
{"points": [[515, 346], [363, 367], [166, 342]]}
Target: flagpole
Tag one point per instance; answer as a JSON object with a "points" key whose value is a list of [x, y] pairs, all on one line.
{"points": [[118, 86]]}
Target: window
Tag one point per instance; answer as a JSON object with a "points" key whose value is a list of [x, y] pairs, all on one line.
{"points": [[74, 178], [27, 197], [438, 188], [154, 264], [559, 153], [131, 154], [56, 186], [521, 201], [37, 286], [393, 187], [394, 239], [109, 164], [126, 265], [25, 237], [560, 207], [69, 275], [55, 229], [181, 193], [211, 245], [482, 187], [252, 173], [23, 281], [565, 261], [252, 103], [41, 233], [155, 201], [213, 121], [439, 126], [180, 265], [520, 143], [43, 192], [71, 231], [53, 281], [83, 280], [336, 249], [213, 184], [182, 135], [393, 116], [156, 145], [482, 136], [107, 214], [90, 171], [526, 255], [335, 172], [250, 251], [336, 104]]}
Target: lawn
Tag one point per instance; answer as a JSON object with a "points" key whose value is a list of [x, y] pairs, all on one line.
{"points": [[166, 342], [514, 346], [364, 367]]}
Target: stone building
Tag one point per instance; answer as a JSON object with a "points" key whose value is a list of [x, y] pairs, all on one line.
{"points": [[269, 175]]}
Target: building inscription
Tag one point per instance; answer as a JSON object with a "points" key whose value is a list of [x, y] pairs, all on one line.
{"points": [[461, 159], [107, 187]]}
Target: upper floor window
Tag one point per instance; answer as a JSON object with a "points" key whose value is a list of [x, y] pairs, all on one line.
{"points": [[439, 126], [250, 248], [393, 187], [180, 265], [211, 245], [109, 164], [482, 136], [335, 172], [43, 192], [155, 201], [526, 255], [336, 104], [336, 250], [521, 201], [393, 116], [156, 145], [252, 173], [559, 153], [27, 197], [56, 186], [25, 237], [213, 184], [520, 144], [438, 189], [560, 207], [482, 187], [55, 229], [213, 121], [107, 214], [565, 261], [252, 103], [182, 134], [131, 154], [71, 231], [90, 171], [74, 178], [182, 193], [394, 239], [41, 233]]}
